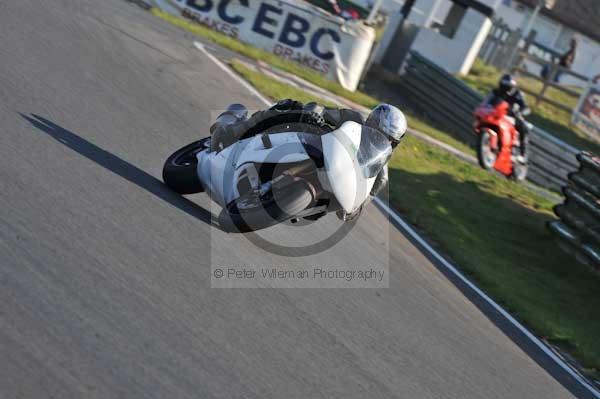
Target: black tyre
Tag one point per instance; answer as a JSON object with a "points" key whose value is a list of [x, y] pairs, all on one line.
{"points": [[485, 155], [179, 171], [251, 212]]}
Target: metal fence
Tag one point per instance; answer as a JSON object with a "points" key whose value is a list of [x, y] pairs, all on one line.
{"points": [[450, 103], [549, 80], [578, 230], [499, 47], [499, 44]]}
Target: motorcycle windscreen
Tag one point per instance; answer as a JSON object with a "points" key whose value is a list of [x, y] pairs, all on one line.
{"points": [[354, 155], [374, 152]]}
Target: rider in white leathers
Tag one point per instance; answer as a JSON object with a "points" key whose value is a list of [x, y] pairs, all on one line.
{"points": [[234, 124]]}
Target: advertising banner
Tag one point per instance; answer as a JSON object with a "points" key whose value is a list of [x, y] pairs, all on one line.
{"points": [[587, 114], [293, 30]]}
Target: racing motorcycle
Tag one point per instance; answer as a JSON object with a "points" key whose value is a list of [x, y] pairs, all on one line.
{"points": [[498, 142], [299, 169]]}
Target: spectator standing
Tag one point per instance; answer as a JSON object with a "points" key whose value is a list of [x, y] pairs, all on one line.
{"points": [[566, 60]]}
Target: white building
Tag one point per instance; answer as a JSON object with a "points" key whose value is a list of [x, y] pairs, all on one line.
{"points": [[579, 19], [448, 32]]}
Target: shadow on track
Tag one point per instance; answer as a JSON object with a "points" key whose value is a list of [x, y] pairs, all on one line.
{"points": [[119, 167]]}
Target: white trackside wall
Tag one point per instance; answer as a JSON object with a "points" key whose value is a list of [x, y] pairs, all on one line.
{"points": [[292, 30]]}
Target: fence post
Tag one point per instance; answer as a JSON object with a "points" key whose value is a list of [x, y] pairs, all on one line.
{"points": [[529, 40], [497, 40], [549, 78], [509, 53], [522, 55]]}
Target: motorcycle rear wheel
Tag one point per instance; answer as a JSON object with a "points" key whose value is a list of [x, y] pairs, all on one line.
{"points": [[180, 169], [250, 212]]}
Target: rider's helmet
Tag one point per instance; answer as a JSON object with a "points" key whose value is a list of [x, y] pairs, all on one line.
{"points": [[389, 120], [507, 85]]}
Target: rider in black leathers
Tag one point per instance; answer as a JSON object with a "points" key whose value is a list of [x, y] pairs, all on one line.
{"points": [[508, 91]]}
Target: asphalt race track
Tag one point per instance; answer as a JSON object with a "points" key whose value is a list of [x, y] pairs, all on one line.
{"points": [[105, 273]]}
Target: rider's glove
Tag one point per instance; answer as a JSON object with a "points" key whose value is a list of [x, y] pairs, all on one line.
{"points": [[380, 181]]}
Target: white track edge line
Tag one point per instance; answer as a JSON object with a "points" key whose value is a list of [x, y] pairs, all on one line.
{"points": [[432, 251], [485, 297]]}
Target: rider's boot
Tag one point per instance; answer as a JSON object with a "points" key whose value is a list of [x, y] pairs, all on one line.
{"points": [[522, 157]]}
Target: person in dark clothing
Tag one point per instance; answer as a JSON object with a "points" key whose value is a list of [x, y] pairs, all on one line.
{"points": [[566, 60], [508, 91]]}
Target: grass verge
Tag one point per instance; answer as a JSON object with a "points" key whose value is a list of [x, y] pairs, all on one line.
{"points": [[422, 126], [274, 88], [484, 78], [495, 230]]}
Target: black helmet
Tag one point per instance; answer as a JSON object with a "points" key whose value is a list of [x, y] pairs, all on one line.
{"points": [[389, 120], [507, 85]]}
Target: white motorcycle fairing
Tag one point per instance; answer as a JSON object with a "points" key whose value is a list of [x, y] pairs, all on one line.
{"points": [[352, 155], [346, 180], [220, 172]]}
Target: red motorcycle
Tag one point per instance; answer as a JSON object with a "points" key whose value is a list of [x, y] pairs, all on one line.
{"points": [[498, 143]]}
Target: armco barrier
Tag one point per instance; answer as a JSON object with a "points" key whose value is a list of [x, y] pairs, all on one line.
{"points": [[449, 102], [578, 230]]}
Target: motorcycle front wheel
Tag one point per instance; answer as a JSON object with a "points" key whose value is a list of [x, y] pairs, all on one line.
{"points": [[485, 154], [180, 169], [250, 212]]}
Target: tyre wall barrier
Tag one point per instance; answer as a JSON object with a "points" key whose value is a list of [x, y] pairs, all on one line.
{"points": [[578, 230]]}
